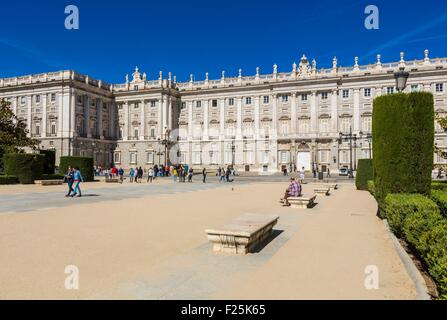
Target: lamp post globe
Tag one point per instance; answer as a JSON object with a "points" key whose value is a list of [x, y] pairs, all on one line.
{"points": [[401, 77]]}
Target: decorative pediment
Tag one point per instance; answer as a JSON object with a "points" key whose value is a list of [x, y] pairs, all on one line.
{"points": [[214, 121], [136, 123], [266, 120], [248, 120], [304, 118], [152, 122], [304, 70], [324, 116], [369, 114], [284, 118], [231, 121]]}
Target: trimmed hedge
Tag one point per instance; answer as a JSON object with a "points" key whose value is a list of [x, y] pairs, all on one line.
{"points": [[403, 134], [49, 165], [438, 185], [52, 177], [8, 180], [436, 257], [440, 197], [399, 206], [25, 166], [85, 165], [365, 172], [416, 219], [371, 187]]}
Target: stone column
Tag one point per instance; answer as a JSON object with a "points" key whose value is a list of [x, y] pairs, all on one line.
{"points": [[126, 128], [274, 115], [87, 116], [239, 119], [44, 116], [293, 115], [378, 91], [165, 113], [190, 121], [205, 120], [257, 117], [72, 117], [313, 112], [222, 121], [356, 110], [427, 87], [334, 111], [112, 120], [67, 112], [170, 115], [29, 114], [142, 120], [160, 116], [100, 117]]}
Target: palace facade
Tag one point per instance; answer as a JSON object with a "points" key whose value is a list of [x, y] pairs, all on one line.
{"points": [[261, 123]]}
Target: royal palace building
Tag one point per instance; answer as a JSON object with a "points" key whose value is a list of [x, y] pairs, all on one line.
{"points": [[259, 123]]}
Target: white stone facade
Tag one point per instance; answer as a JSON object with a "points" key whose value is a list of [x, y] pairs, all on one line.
{"points": [[260, 123]]}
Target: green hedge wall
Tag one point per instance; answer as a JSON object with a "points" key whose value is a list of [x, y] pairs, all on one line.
{"points": [[403, 135], [49, 164], [436, 185], [399, 206], [84, 164], [26, 167], [371, 187], [8, 180], [440, 197], [416, 219], [365, 173]]}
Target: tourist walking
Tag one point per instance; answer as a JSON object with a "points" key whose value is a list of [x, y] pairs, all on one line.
{"points": [[174, 174], [69, 179], [204, 174], [131, 175], [150, 175], [222, 175], [227, 174], [190, 174], [121, 175], [77, 179], [140, 174], [302, 175]]}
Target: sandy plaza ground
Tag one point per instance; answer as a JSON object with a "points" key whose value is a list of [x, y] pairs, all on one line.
{"points": [[148, 242]]}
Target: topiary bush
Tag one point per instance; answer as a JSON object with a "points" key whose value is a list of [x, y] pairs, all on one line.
{"points": [[438, 186], [399, 206], [416, 224], [25, 166], [85, 165], [365, 172], [440, 198], [8, 180], [49, 164], [403, 135], [371, 187], [436, 257]]}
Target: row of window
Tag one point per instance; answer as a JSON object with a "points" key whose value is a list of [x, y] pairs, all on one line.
{"points": [[367, 93], [37, 98]]}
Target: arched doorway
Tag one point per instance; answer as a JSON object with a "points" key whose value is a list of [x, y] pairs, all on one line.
{"points": [[304, 158]]}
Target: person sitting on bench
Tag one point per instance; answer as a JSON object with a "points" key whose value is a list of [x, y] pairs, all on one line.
{"points": [[294, 191]]}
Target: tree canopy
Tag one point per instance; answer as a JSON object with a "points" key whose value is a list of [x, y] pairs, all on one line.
{"points": [[13, 131]]}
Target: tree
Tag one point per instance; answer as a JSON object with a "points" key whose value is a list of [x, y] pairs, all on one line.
{"points": [[13, 131]]}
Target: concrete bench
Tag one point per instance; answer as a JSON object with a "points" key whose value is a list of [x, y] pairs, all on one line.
{"points": [[302, 202], [51, 182], [113, 180], [325, 191], [242, 235], [332, 186]]}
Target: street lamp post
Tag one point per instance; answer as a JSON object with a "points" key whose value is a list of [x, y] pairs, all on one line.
{"points": [[350, 137], [368, 137], [166, 142], [401, 79]]}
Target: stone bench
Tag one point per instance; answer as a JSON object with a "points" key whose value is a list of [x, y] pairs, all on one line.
{"points": [[51, 182], [302, 202], [325, 191], [242, 235], [332, 186], [113, 180]]}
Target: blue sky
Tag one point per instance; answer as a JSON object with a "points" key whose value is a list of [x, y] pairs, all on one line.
{"points": [[199, 36]]}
